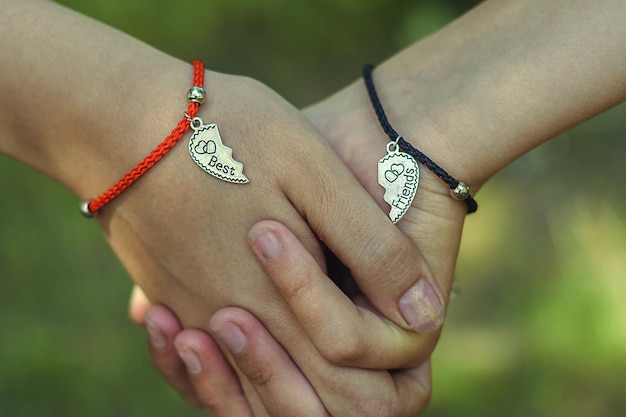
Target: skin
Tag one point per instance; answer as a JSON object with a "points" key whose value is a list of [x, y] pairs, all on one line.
{"points": [[486, 89], [483, 93], [83, 150], [86, 125], [85, 140]]}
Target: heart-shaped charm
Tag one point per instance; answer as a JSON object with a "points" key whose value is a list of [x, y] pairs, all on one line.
{"points": [[399, 175], [207, 149]]}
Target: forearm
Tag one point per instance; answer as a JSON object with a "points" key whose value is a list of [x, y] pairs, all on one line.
{"points": [[506, 77], [81, 101], [496, 83]]}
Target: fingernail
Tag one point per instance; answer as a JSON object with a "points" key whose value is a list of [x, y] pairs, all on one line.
{"points": [[421, 307], [189, 357], [158, 339], [232, 337], [265, 243]]}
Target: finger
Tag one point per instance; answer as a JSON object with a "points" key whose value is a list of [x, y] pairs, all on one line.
{"points": [[281, 386], [359, 392], [344, 333], [138, 305], [344, 391], [256, 404], [215, 383], [387, 265], [163, 327], [420, 378], [413, 388]]}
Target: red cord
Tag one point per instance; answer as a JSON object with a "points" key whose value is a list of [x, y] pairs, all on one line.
{"points": [[158, 152]]}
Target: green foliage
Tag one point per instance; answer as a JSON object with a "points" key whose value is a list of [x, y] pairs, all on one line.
{"points": [[537, 330]]}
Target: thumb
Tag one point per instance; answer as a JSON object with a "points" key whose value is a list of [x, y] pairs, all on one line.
{"points": [[386, 264]]}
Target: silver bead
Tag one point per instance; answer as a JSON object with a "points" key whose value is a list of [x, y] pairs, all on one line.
{"points": [[461, 192], [84, 209], [196, 94]]}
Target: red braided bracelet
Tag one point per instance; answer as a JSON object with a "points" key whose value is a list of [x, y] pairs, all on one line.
{"points": [[196, 97]]}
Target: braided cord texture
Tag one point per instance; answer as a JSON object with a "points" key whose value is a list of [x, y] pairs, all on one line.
{"points": [[472, 205], [159, 152]]}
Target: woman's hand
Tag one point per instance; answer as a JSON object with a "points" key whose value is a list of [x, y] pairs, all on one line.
{"points": [[189, 251], [193, 363], [180, 232], [275, 382], [343, 333]]}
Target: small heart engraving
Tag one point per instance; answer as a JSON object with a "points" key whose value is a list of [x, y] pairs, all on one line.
{"points": [[394, 172], [397, 168], [390, 175], [204, 146]]}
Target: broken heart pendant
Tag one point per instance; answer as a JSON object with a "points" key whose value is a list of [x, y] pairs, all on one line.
{"points": [[207, 149], [399, 175]]}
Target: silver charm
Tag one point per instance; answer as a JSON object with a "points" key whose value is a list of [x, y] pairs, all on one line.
{"points": [[207, 149], [399, 175]]}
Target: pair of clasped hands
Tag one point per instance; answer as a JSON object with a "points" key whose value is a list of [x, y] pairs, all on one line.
{"points": [[296, 293]]}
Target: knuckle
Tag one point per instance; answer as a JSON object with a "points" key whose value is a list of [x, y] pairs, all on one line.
{"points": [[260, 377], [346, 348], [381, 405], [298, 285], [386, 255], [207, 397], [426, 395], [207, 401]]}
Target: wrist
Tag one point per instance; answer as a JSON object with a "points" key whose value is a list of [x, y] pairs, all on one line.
{"points": [[83, 114], [421, 115], [195, 97], [431, 115], [349, 123], [498, 82], [126, 124]]}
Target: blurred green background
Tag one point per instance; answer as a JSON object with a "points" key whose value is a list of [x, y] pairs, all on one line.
{"points": [[539, 327]]}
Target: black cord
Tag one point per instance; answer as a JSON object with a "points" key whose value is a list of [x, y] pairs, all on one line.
{"points": [[472, 205]]}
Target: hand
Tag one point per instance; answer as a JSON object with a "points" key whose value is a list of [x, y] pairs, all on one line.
{"points": [[435, 220], [190, 252], [269, 378], [187, 254], [192, 362], [434, 213], [180, 232]]}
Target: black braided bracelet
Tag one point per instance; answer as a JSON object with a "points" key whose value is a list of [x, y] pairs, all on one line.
{"points": [[460, 191]]}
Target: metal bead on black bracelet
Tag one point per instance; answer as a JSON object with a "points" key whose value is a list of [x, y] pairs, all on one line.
{"points": [[398, 172]]}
